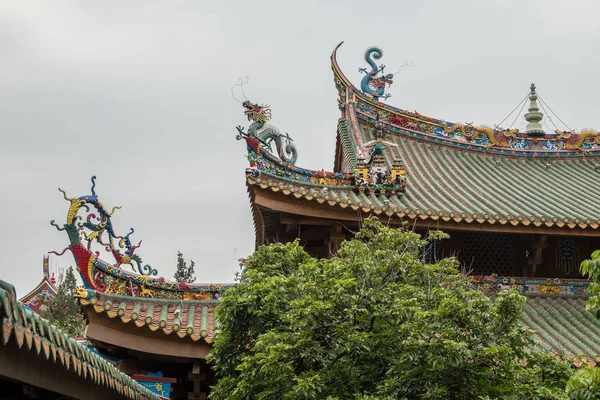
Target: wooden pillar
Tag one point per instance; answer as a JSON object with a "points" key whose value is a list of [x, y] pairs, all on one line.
{"points": [[197, 377], [335, 239]]}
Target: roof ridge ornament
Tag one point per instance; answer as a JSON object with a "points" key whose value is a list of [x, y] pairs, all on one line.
{"points": [[374, 176], [260, 134], [88, 221], [374, 81], [534, 116]]}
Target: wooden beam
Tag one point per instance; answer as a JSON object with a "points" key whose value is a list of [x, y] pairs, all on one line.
{"points": [[197, 377], [113, 331], [292, 219], [291, 205], [305, 212]]}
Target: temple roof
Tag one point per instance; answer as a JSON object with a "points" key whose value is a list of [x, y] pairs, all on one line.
{"points": [[555, 311], [133, 299], [469, 177], [193, 319], [534, 142], [467, 173], [45, 290], [563, 326], [31, 333]]}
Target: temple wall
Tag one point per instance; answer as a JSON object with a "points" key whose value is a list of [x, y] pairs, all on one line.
{"points": [[504, 254]]}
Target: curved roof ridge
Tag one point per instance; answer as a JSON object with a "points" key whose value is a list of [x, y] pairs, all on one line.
{"points": [[365, 104]]}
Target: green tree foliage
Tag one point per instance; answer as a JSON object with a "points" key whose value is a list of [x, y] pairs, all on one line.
{"points": [[585, 383], [63, 310], [375, 322], [184, 272]]}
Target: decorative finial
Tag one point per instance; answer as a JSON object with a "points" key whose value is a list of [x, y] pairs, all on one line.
{"points": [[46, 266], [534, 116], [374, 82]]}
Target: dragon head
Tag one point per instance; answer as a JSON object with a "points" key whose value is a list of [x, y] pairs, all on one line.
{"points": [[83, 293], [388, 79], [256, 112]]}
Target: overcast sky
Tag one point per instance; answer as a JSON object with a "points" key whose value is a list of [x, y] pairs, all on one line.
{"points": [[138, 93]]}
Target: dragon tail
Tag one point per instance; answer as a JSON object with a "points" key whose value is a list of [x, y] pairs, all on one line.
{"points": [[373, 53]]}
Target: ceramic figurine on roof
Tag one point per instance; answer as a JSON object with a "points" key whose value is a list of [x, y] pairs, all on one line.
{"points": [[96, 226], [374, 81], [374, 176], [89, 224], [267, 133], [44, 291], [262, 134]]}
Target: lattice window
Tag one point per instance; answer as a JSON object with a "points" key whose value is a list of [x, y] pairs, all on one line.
{"points": [[487, 253]]}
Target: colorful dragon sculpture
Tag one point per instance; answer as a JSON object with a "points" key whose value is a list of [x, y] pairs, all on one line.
{"points": [[574, 141], [259, 132], [497, 137], [374, 81], [87, 222]]}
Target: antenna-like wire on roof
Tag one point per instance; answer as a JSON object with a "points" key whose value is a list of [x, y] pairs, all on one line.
{"points": [[547, 117], [522, 102], [517, 117], [563, 122]]}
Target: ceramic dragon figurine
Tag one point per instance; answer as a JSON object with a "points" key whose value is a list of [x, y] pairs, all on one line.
{"points": [[374, 81], [266, 133], [574, 141], [497, 137], [89, 221]]}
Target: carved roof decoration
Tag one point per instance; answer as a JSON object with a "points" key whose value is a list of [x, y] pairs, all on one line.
{"points": [[143, 300], [90, 231], [498, 141], [448, 172], [44, 291]]}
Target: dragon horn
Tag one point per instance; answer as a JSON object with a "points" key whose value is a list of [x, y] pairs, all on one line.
{"points": [[94, 185], [65, 195], [241, 85]]}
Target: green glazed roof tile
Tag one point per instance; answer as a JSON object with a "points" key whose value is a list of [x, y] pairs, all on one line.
{"points": [[461, 185], [191, 318], [563, 325], [51, 343]]}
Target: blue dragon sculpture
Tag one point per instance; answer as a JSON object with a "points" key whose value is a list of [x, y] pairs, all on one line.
{"points": [[375, 80]]}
